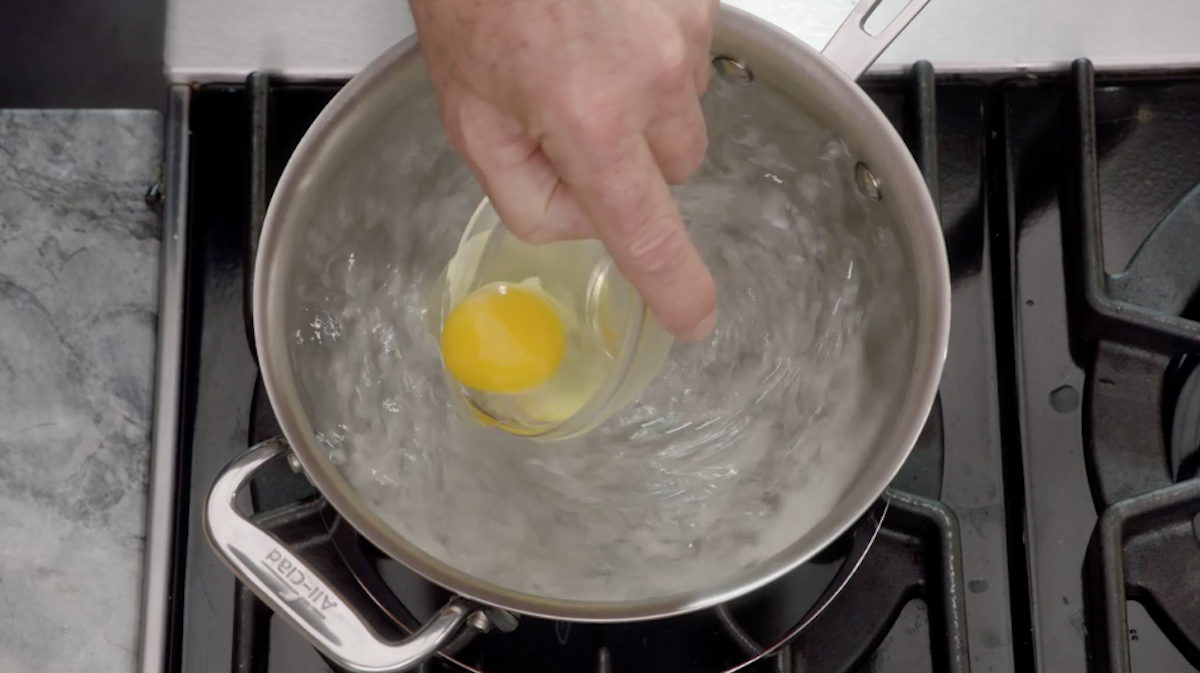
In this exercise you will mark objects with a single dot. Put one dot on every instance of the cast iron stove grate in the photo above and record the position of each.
(1104, 223)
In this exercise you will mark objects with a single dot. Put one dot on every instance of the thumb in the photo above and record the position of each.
(622, 191)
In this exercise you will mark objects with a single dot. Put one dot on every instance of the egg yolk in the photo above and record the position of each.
(503, 339)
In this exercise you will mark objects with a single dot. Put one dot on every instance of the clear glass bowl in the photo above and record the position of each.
(631, 346)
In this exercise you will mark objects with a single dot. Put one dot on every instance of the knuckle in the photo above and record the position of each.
(586, 115)
(697, 18)
(656, 246)
(702, 75)
(673, 65)
(687, 161)
(696, 148)
(526, 227)
(535, 235)
(699, 149)
(538, 230)
(517, 223)
(681, 145)
(453, 122)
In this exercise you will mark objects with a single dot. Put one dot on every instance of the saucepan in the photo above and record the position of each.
(746, 48)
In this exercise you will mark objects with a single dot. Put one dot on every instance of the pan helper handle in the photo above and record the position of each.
(852, 49)
(299, 594)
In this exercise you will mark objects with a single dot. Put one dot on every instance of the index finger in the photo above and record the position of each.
(622, 191)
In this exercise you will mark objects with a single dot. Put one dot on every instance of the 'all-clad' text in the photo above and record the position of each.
(309, 589)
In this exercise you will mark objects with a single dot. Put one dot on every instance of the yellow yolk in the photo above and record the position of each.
(503, 338)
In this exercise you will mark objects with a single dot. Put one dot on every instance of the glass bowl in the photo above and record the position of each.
(628, 346)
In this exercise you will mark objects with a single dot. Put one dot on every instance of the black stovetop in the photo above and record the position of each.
(1047, 519)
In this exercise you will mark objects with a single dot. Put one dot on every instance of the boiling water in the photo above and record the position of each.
(738, 449)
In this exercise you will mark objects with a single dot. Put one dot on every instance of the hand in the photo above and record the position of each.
(575, 115)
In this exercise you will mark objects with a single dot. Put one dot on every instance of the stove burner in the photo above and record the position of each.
(1144, 412)
(1138, 395)
(1143, 304)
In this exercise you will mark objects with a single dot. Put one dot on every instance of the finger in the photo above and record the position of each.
(618, 183)
(701, 72)
(678, 137)
(702, 41)
(535, 205)
(529, 197)
(696, 19)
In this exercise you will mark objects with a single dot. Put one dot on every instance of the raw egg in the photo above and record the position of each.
(503, 338)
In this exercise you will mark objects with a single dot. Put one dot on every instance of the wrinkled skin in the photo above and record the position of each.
(575, 115)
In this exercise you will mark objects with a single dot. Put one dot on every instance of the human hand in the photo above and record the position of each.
(575, 115)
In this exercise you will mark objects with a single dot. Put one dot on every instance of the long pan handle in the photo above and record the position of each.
(297, 592)
(853, 49)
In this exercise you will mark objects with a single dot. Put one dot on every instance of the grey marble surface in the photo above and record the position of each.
(78, 293)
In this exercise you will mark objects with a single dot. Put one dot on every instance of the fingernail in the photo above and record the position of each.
(703, 328)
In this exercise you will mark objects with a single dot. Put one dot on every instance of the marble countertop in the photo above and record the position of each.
(78, 295)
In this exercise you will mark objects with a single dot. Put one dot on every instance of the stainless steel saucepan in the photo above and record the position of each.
(824, 85)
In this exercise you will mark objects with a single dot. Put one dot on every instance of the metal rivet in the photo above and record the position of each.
(294, 463)
(732, 71)
(868, 184)
(479, 622)
(502, 619)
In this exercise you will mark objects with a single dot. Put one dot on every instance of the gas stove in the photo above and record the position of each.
(1046, 520)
